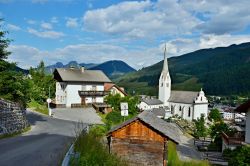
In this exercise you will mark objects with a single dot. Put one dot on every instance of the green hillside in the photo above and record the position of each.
(219, 71)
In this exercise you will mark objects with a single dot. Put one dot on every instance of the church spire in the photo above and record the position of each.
(165, 64)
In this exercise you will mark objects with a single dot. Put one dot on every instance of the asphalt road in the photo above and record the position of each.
(44, 145)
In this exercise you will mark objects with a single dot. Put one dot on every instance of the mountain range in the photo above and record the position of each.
(219, 71)
(112, 69)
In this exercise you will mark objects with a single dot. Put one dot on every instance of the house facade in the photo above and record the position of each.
(114, 89)
(143, 140)
(78, 87)
(186, 104)
(149, 104)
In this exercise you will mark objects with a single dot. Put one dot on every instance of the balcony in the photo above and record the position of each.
(236, 139)
(93, 93)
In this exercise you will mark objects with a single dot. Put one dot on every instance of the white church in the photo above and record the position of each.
(188, 105)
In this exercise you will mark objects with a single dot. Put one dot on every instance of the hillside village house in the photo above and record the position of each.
(143, 139)
(114, 89)
(186, 104)
(76, 87)
(150, 103)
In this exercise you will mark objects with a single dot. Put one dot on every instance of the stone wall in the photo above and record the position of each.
(12, 117)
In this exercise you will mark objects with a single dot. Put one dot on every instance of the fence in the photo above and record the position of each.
(12, 117)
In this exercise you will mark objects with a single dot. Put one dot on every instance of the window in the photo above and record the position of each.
(161, 84)
(167, 84)
(189, 112)
(172, 109)
(180, 108)
(201, 98)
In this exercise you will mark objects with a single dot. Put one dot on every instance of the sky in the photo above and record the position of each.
(95, 31)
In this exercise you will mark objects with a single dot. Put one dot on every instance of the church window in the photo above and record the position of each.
(180, 108)
(172, 109)
(189, 112)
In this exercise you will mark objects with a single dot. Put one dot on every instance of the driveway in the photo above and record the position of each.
(87, 115)
(44, 145)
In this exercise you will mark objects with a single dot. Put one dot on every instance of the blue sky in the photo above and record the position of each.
(94, 31)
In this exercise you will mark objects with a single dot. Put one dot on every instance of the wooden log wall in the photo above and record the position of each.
(139, 144)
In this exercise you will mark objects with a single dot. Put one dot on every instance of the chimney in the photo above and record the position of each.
(82, 69)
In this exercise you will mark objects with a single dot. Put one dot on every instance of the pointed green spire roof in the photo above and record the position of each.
(165, 64)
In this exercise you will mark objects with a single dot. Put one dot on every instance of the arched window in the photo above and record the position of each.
(201, 98)
(180, 108)
(172, 109)
(189, 112)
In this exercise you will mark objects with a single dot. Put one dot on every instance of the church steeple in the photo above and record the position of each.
(165, 81)
(165, 64)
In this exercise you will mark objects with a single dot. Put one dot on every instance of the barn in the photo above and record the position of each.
(143, 139)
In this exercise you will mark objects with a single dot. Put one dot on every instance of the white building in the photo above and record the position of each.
(188, 105)
(149, 103)
(77, 87)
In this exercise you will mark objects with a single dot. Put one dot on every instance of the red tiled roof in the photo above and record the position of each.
(108, 86)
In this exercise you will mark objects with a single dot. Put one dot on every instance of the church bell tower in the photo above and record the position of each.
(165, 82)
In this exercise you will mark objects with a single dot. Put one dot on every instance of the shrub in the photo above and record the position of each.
(94, 153)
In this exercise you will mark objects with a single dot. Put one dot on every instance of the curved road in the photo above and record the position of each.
(44, 145)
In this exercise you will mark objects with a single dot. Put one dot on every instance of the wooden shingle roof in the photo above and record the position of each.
(164, 128)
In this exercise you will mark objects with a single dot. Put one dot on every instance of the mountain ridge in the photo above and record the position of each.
(220, 71)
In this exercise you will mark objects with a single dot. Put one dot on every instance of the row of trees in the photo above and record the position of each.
(17, 86)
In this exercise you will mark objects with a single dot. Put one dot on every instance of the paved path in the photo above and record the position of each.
(44, 145)
(186, 148)
(86, 115)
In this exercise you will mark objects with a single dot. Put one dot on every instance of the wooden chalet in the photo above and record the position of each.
(143, 139)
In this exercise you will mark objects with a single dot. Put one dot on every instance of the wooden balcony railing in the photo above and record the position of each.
(233, 140)
(93, 93)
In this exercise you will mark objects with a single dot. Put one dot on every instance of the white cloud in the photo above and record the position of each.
(54, 20)
(31, 22)
(222, 17)
(212, 41)
(46, 34)
(46, 25)
(137, 58)
(141, 19)
(13, 27)
(71, 22)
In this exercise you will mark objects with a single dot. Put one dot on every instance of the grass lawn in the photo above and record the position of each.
(16, 133)
(38, 107)
(93, 152)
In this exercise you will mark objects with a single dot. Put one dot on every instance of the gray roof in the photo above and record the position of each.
(152, 101)
(165, 128)
(158, 111)
(187, 97)
(77, 75)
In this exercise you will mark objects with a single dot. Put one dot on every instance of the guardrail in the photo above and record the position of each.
(70, 153)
